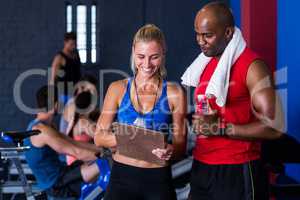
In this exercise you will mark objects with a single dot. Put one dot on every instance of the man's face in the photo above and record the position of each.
(210, 35)
(70, 45)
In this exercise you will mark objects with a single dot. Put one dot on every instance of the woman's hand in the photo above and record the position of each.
(164, 154)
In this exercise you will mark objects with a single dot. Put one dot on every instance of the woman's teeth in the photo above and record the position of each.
(147, 70)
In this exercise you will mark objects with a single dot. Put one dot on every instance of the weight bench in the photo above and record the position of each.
(11, 148)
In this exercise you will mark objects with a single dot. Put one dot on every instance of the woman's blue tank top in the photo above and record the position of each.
(159, 118)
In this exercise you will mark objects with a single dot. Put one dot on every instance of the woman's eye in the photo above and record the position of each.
(155, 57)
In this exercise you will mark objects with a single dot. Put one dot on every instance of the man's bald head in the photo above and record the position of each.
(219, 13)
(214, 25)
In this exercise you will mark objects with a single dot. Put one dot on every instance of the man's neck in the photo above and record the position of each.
(217, 57)
(222, 51)
(67, 52)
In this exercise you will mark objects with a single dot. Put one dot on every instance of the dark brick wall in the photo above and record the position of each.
(31, 33)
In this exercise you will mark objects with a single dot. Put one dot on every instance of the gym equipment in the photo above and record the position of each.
(96, 190)
(11, 148)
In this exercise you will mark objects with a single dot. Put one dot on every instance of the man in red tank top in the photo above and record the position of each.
(227, 152)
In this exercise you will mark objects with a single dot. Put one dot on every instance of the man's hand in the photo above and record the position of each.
(206, 124)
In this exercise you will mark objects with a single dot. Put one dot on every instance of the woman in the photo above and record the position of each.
(80, 114)
(145, 100)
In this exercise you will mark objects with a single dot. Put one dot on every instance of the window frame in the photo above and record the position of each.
(88, 4)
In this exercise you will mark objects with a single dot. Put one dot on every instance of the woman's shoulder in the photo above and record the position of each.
(118, 85)
(69, 110)
(174, 88)
(176, 95)
(116, 91)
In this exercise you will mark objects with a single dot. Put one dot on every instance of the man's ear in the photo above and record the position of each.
(229, 33)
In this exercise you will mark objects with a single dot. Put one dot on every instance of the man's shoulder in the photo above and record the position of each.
(249, 55)
(246, 59)
(59, 57)
(37, 124)
(36, 140)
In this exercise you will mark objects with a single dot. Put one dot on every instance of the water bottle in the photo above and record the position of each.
(202, 104)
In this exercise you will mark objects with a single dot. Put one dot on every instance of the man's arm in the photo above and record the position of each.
(56, 64)
(85, 145)
(265, 105)
(63, 144)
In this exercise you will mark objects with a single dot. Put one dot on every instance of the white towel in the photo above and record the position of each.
(219, 82)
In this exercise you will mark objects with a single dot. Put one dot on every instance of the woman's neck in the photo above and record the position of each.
(147, 84)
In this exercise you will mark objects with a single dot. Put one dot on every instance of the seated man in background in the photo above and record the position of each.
(52, 175)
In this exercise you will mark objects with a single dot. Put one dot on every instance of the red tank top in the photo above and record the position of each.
(223, 150)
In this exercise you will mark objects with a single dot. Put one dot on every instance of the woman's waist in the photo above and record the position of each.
(123, 172)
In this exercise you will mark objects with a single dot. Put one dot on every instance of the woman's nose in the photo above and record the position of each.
(147, 62)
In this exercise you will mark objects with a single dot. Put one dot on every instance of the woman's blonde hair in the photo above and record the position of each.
(148, 33)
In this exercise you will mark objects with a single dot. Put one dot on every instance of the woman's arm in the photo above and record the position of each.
(103, 135)
(178, 106)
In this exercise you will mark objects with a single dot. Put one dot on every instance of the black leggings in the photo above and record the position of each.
(246, 181)
(135, 183)
(69, 182)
